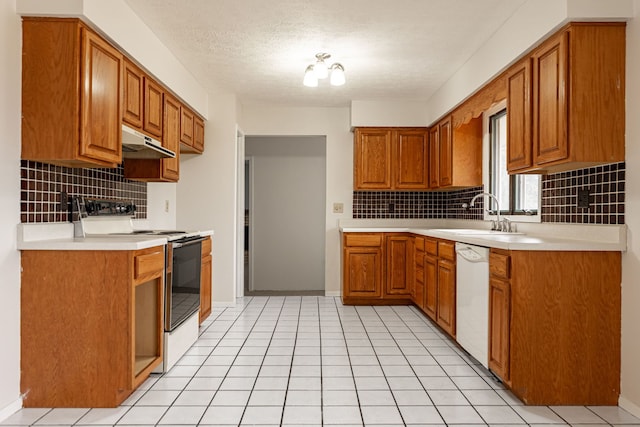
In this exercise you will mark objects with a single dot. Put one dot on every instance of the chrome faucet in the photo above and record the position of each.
(498, 225)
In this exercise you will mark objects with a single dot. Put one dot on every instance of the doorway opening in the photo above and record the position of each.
(285, 215)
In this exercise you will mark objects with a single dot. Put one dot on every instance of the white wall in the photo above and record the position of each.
(334, 124)
(10, 58)
(206, 193)
(630, 385)
(287, 212)
(388, 112)
(159, 194)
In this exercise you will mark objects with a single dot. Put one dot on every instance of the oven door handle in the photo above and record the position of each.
(188, 241)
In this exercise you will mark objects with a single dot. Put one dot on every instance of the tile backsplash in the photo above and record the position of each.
(416, 204)
(41, 185)
(606, 185)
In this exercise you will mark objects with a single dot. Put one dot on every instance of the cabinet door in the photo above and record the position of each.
(132, 90)
(205, 287)
(101, 132)
(398, 254)
(431, 286)
(153, 104)
(362, 272)
(372, 159)
(519, 116)
(186, 126)
(434, 157)
(499, 327)
(445, 166)
(418, 287)
(171, 138)
(446, 314)
(550, 142)
(205, 280)
(198, 134)
(411, 154)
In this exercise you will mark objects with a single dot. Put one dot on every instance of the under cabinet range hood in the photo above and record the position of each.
(136, 145)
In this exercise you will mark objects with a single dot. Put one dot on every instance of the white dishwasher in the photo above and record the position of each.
(472, 300)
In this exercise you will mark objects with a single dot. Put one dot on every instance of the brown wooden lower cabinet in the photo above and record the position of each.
(555, 325)
(91, 325)
(205, 280)
(499, 318)
(554, 316)
(446, 312)
(439, 302)
(431, 286)
(398, 254)
(377, 268)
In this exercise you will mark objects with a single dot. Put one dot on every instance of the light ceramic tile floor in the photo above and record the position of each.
(310, 361)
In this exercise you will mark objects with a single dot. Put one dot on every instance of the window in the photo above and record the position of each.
(517, 194)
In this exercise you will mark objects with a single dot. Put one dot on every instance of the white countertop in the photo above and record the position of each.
(59, 236)
(534, 237)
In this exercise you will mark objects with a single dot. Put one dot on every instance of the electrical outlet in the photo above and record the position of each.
(338, 207)
(166, 206)
(583, 198)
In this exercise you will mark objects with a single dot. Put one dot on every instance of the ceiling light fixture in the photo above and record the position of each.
(320, 70)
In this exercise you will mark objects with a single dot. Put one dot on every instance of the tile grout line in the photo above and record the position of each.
(346, 344)
(265, 354)
(437, 363)
(293, 355)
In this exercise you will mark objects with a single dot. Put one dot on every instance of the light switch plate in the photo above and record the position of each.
(338, 207)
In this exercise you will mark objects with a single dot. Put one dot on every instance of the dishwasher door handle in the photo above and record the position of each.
(469, 254)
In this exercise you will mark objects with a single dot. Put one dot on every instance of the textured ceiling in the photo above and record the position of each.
(259, 49)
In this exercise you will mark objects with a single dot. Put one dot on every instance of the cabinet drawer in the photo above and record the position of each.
(446, 250)
(363, 239)
(499, 265)
(149, 265)
(206, 247)
(431, 247)
(420, 243)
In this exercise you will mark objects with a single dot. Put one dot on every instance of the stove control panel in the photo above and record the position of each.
(101, 207)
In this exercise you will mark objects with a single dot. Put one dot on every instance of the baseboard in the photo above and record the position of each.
(629, 406)
(10, 409)
(331, 293)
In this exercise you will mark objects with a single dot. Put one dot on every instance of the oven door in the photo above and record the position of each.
(182, 299)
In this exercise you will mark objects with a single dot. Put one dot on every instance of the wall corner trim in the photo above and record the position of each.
(627, 405)
(10, 409)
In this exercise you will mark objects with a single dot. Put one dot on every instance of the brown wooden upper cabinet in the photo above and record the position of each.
(191, 132)
(142, 101)
(132, 95)
(153, 108)
(166, 169)
(71, 89)
(455, 154)
(565, 101)
(186, 126)
(391, 159)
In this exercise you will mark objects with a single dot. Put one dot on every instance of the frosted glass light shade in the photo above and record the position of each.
(310, 79)
(337, 75)
(321, 70)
